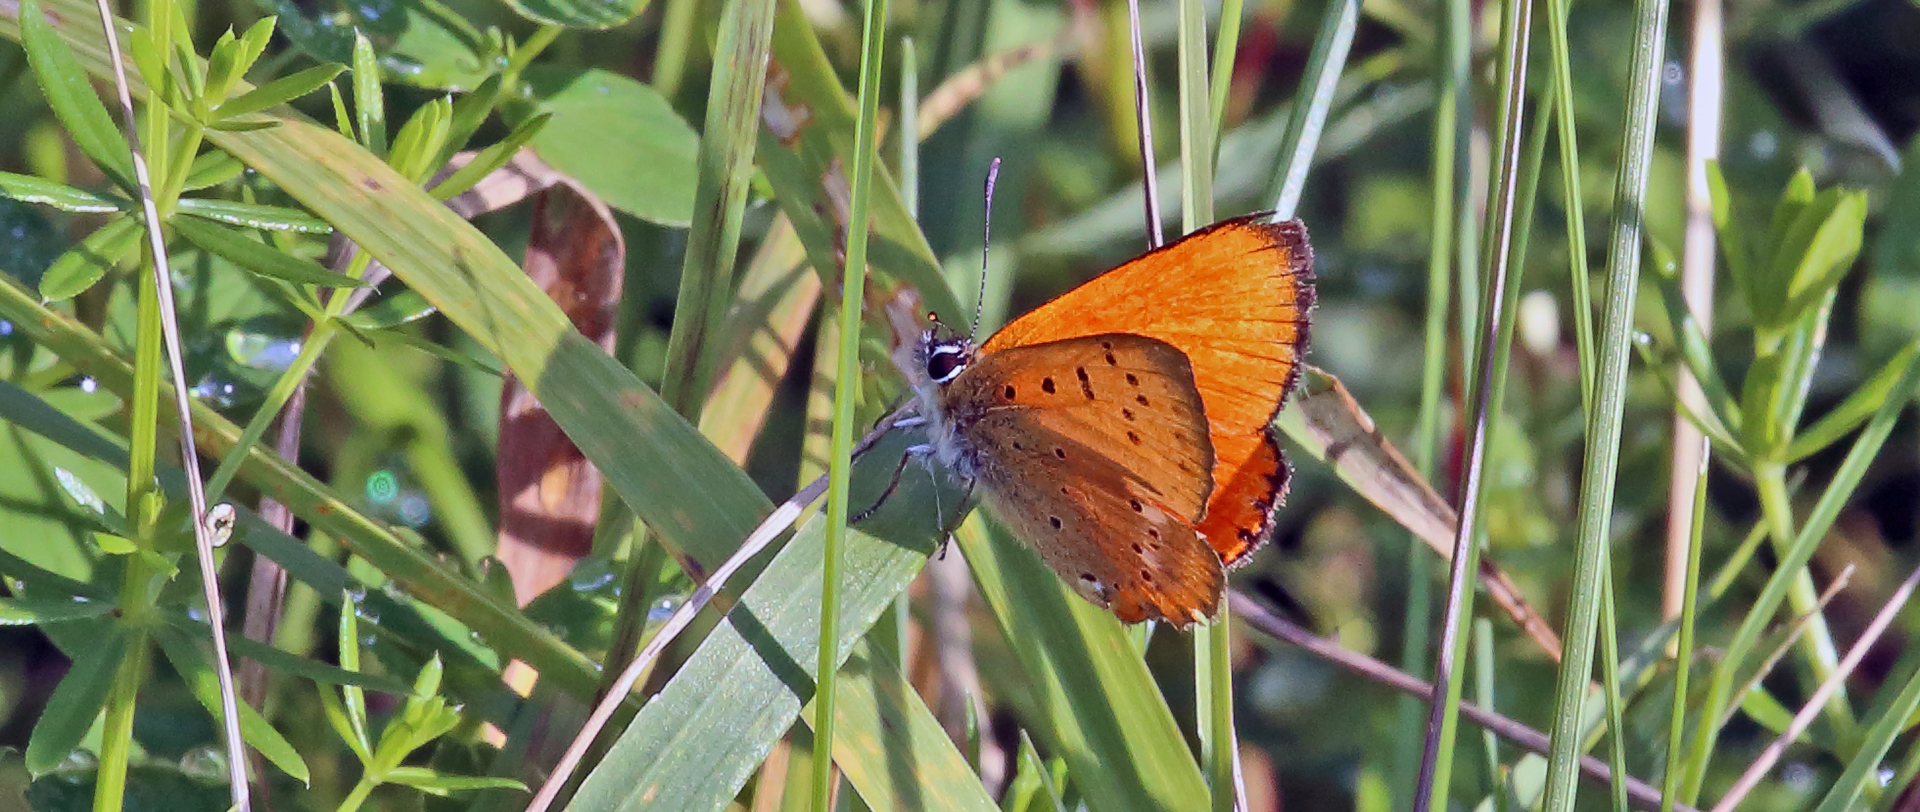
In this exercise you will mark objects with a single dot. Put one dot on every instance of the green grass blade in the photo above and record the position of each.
(1604, 422)
(1100, 709)
(1317, 86)
(846, 388)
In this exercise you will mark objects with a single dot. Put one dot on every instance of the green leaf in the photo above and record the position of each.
(1829, 253)
(70, 94)
(420, 139)
(25, 611)
(220, 73)
(588, 14)
(1098, 706)
(469, 112)
(621, 139)
(1852, 412)
(29, 189)
(205, 685)
(279, 91)
(369, 105)
(114, 543)
(80, 267)
(1793, 199)
(1695, 351)
(337, 718)
(293, 664)
(491, 158)
(437, 783)
(212, 169)
(257, 257)
(240, 125)
(76, 701)
(254, 215)
(404, 307)
(150, 61)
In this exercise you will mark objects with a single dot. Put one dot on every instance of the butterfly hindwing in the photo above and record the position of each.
(1095, 451)
(1234, 298)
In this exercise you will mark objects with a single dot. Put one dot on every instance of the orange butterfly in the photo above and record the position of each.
(1121, 430)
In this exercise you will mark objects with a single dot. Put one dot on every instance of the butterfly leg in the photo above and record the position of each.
(946, 530)
(893, 483)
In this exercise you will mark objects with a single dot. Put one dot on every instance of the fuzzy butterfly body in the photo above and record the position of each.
(1121, 430)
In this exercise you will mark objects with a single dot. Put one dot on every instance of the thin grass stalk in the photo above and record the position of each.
(1484, 695)
(677, 32)
(1609, 640)
(1143, 118)
(1226, 46)
(1324, 65)
(1603, 424)
(1453, 52)
(1573, 200)
(910, 127)
(845, 395)
(1212, 652)
(1683, 644)
(238, 790)
(1495, 336)
(1817, 647)
(1610, 684)
(137, 595)
(902, 615)
(1705, 96)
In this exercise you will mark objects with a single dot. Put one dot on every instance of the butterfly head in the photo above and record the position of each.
(940, 355)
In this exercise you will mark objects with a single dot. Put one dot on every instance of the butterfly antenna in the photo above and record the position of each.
(986, 244)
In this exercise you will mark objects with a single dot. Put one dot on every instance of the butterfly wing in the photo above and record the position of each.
(1234, 298)
(1095, 452)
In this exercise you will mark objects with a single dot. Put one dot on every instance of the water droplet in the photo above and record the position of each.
(216, 392)
(205, 763)
(259, 349)
(1642, 338)
(663, 608)
(89, 385)
(79, 761)
(1763, 144)
(356, 594)
(6, 328)
(589, 575)
(78, 491)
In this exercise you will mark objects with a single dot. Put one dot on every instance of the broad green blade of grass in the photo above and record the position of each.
(1099, 707)
(911, 764)
(751, 676)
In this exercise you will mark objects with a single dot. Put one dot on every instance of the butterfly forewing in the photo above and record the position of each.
(1095, 451)
(1234, 298)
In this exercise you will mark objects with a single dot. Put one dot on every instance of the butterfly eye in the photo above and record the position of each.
(945, 362)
